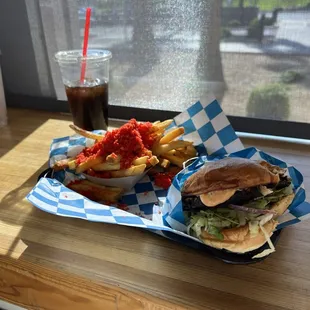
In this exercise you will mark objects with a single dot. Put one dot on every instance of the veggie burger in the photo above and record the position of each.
(234, 203)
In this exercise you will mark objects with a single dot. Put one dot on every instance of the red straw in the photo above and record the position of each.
(85, 43)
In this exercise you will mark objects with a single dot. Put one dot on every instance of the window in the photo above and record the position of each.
(253, 55)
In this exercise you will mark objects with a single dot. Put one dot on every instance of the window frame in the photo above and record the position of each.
(242, 124)
(44, 100)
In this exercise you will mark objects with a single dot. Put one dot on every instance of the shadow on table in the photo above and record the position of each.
(14, 206)
(16, 210)
(21, 124)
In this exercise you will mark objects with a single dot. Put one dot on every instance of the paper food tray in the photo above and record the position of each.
(149, 206)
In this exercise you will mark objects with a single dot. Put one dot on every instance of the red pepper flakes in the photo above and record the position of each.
(130, 141)
(113, 155)
(144, 130)
(164, 179)
(89, 153)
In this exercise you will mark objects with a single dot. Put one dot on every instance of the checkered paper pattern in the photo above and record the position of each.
(208, 127)
(148, 206)
(298, 211)
(52, 196)
(69, 146)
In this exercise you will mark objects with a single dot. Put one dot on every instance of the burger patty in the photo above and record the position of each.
(284, 182)
(240, 197)
(193, 203)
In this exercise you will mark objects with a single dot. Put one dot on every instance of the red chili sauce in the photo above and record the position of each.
(130, 141)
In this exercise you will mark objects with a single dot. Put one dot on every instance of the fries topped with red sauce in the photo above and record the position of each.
(130, 150)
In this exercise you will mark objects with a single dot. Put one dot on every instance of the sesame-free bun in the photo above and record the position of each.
(230, 173)
(281, 206)
(239, 239)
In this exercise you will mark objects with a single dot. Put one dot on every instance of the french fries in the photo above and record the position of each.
(153, 161)
(171, 135)
(96, 192)
(133, 170)
(165, 163)
(162, 125)
(115, 165)
(62, 164)
(175, 159)
(180, 155)
(190, 151)
(88, 164)
(129, 151)
(106, 166)
(72, 164)
(111, 163)
(140, 161)
(85, 133)
(165, 150)
(113, 158)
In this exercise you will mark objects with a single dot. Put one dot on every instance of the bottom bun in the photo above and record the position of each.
(281, 206)
(239, 239)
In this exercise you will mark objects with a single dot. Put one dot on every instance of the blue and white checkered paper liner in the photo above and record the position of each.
(148, 205)
(299, 209)
(208, 127)
(52, 196)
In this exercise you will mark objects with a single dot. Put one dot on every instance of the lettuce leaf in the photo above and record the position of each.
(254, 228)
(197, 223)
(214, 231)
(213, 222)
(262, 203)
(279, 194)
(258, 204)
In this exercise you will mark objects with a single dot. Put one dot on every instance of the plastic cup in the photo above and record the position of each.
(88, 98)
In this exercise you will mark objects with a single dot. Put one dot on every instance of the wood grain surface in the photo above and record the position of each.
(51, 262)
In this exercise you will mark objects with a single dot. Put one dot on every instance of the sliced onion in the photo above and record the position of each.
(252, 210)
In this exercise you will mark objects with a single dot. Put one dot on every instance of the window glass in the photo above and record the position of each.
(253, 55)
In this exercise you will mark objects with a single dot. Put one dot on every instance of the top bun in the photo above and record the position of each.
(230, 173)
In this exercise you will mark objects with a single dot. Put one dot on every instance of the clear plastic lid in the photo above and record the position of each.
(76, 56)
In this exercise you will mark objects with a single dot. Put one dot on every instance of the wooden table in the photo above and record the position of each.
(51, 262)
